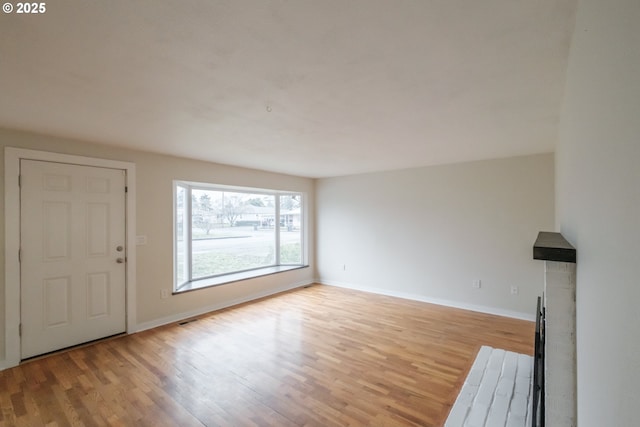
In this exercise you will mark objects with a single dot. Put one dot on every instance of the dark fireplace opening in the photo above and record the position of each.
(538, 368)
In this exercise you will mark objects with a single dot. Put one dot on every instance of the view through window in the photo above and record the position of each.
(221, 231)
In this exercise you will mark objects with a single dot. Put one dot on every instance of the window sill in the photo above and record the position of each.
(234, 277)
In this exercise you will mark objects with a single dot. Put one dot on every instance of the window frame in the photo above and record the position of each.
(223, 278)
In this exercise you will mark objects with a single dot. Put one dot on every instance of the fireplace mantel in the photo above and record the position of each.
(553, 247)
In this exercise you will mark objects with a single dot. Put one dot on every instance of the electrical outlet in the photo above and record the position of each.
(477, 283)
(164, 293)
(514, 290)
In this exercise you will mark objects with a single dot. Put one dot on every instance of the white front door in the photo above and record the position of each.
(73, 255)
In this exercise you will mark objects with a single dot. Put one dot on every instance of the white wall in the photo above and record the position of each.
(598, 206)
(427, 233)
(155, 174)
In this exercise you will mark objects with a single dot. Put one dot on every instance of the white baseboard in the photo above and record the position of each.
(213, 307)
(5, 364)
(438, 301)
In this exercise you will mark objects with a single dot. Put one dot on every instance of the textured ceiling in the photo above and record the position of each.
(307, 87)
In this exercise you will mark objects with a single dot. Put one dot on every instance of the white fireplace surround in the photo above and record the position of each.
(559, 256)
(560, 344)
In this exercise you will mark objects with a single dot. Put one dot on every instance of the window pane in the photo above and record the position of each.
(181, 229)
(290, 229)
(231, 232)
(219, 232)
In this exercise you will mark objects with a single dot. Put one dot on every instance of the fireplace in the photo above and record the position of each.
(555, 346)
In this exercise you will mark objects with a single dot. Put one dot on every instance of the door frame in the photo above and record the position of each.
(12, 157)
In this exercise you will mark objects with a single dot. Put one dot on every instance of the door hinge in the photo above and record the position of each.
(20, 329)
(126, 189)
(19, 180)
(19, 255)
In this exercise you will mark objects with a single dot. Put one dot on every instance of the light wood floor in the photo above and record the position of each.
(318, 356)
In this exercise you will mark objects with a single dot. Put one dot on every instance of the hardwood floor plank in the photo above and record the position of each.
(318, 356)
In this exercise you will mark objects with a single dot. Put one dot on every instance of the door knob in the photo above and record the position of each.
(119, 248)
(120, 260)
